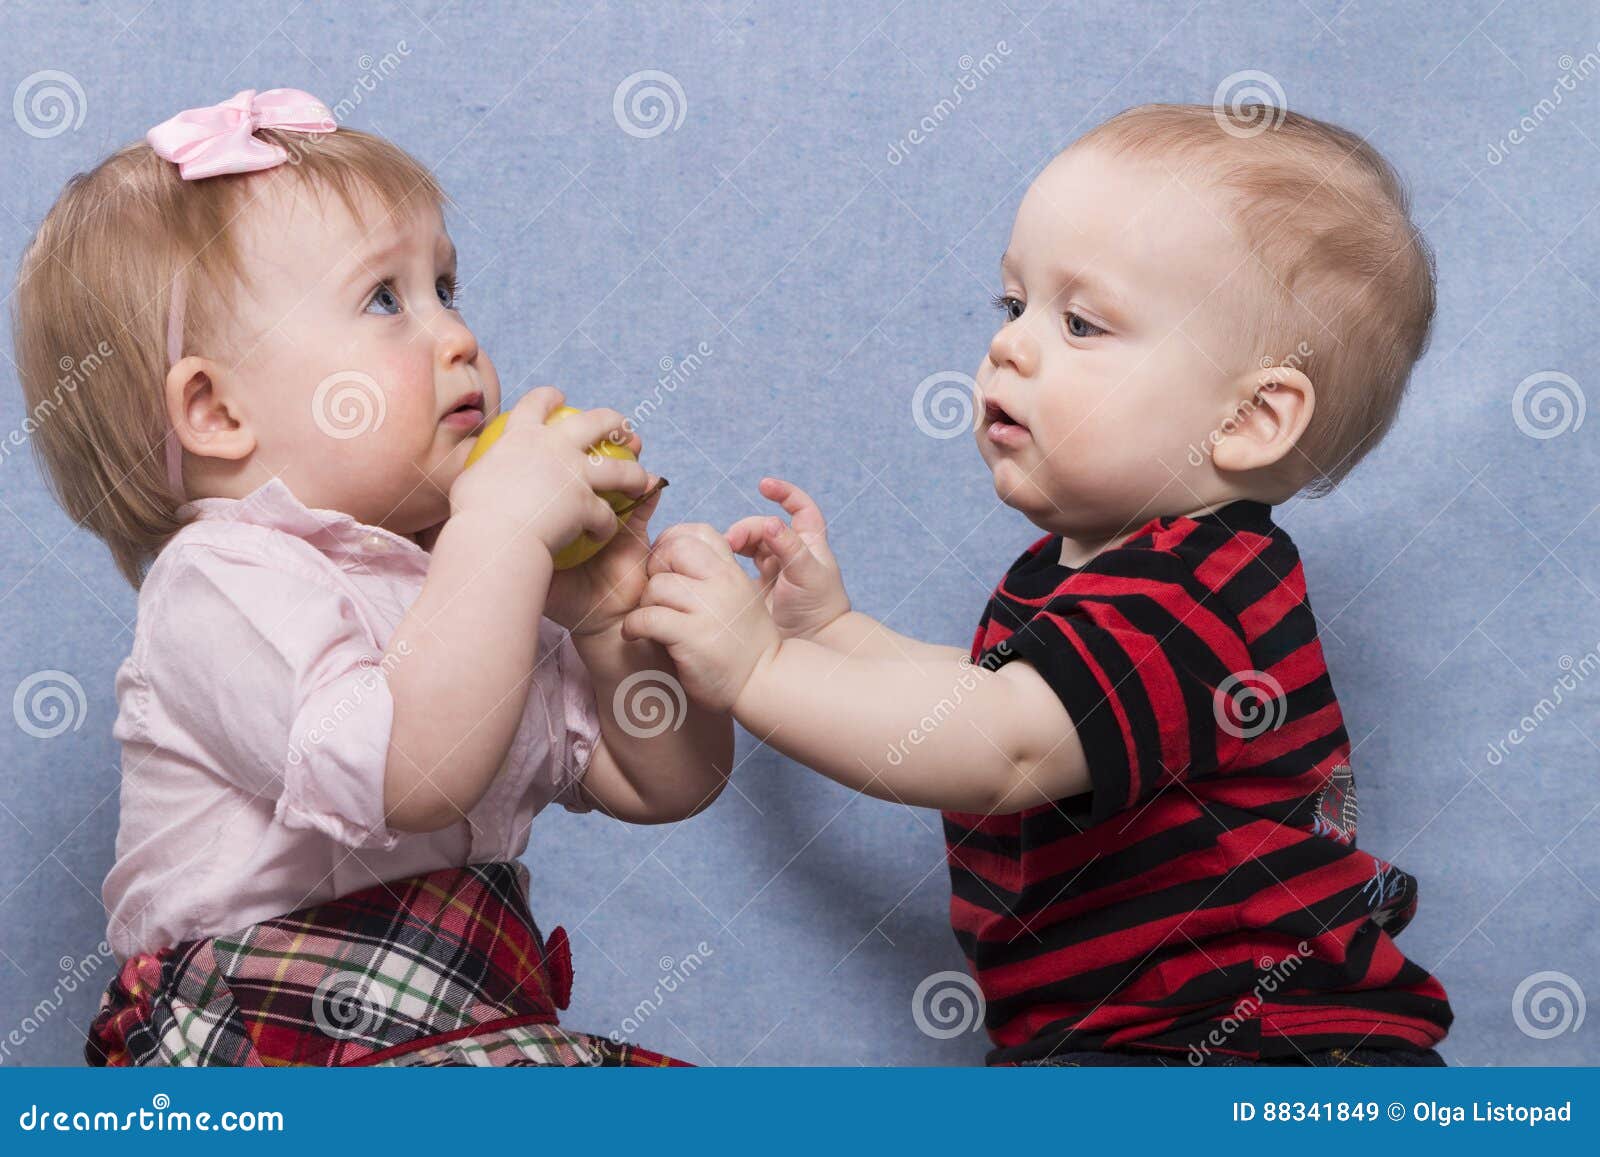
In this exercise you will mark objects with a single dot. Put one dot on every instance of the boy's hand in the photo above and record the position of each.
(709, 615)
(799, 577)
(592, 599)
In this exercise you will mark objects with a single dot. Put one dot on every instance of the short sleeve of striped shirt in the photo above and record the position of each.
(1147, 660)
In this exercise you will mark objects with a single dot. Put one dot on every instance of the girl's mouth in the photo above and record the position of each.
(1003, 429)
(468, 414)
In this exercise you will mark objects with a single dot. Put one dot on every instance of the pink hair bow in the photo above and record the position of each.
(220, 138)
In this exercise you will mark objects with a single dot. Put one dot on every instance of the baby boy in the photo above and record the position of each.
(1144, 773)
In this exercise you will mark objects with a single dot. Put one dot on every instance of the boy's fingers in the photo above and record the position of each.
(744, 537)
(659, 624)
(685, 555)
(799, 505)
(673, 591)
(791, 550)
(704, 534)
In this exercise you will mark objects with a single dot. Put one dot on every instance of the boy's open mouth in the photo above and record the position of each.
(1003, 429)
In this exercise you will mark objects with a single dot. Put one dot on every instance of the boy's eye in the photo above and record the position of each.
(1008, 305)
(449, 290)
(1078, 327)
(385, 299)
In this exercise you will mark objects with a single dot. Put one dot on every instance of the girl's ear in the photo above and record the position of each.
(1265, 426)
(200, 409)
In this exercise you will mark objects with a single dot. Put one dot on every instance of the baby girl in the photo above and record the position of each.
(356, 675)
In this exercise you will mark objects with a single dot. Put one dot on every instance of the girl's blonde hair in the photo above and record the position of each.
(94, 289)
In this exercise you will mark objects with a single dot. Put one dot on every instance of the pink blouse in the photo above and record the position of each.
(254, 716)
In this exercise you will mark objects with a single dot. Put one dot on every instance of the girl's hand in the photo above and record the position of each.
(540, 480)
(709, 615)
(800, 580)
(592, 599)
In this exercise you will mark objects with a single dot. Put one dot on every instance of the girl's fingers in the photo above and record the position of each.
(538, 404)
(591, 426)
(599, 520)
(616, 474)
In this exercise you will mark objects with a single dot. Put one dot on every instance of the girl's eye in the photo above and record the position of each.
(385, 299)
(1078, 327)
(1008, 305)
(449, 290)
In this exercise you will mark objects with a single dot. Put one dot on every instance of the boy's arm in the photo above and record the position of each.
(862, 636)
(934, 731)
(660, 757)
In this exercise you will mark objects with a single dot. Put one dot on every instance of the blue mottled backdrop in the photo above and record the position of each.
(774, 221)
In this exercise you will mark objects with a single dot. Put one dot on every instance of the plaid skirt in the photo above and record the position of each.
(445, 968)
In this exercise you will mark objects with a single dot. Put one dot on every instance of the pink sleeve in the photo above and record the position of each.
(581, 729)
(559, 727)
(267, 672)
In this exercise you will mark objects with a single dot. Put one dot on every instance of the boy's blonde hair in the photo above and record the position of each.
(93, 293)
(1346, 278)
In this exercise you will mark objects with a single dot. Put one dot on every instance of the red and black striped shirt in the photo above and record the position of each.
(1206, 894)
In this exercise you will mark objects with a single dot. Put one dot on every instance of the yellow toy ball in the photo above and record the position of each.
(581, 549)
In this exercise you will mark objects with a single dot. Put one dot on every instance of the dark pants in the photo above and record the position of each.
(1360, 1058)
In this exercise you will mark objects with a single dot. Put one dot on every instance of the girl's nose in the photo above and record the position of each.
(456, 341)
(1013, 345)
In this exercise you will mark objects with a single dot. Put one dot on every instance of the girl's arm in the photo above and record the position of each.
(462, 660)
(660, 757)
(457, 707)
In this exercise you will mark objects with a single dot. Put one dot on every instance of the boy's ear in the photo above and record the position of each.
(201, 407)
(1272, 409)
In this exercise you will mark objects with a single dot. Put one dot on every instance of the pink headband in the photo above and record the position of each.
(213, 141)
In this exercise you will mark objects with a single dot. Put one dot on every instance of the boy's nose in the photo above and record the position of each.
(1013, 345)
